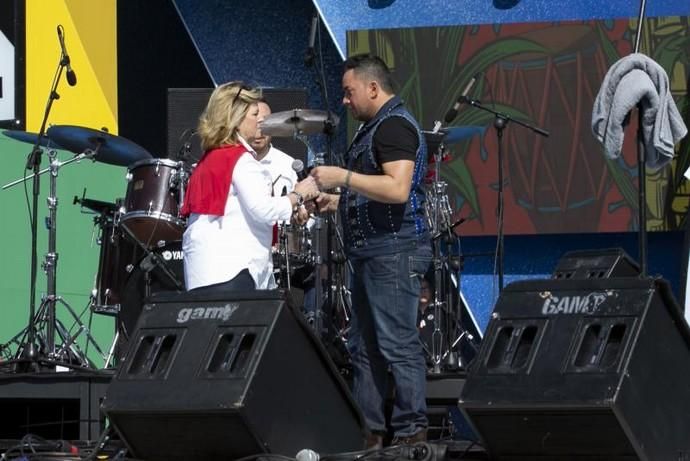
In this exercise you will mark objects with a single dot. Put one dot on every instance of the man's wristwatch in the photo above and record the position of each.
(300, 198)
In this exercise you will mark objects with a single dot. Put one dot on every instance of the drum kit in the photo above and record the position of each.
(140, 235)
(131, 231)
(140, 240)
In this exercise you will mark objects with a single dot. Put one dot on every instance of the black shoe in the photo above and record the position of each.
(374, 441)
(410, 439)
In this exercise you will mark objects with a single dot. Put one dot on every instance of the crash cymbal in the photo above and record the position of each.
(111, 149)
(296, 122)
(30, 138)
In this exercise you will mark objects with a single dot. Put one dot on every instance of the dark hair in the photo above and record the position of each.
(373, 67)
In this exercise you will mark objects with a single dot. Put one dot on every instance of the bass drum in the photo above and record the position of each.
(151, 274)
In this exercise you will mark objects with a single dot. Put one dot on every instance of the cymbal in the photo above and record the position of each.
(110, 149)
(460, 133)
(30, 138)
(296, 122)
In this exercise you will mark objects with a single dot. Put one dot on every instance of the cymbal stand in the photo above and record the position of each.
(45, 316)
(439, 213)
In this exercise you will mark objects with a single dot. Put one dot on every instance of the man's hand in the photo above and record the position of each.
(329, 177)
(391, 186)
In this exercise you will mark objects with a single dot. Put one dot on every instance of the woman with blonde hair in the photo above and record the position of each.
(227, 243)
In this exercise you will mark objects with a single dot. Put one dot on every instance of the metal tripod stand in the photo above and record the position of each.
(444, 344)
(45, 325)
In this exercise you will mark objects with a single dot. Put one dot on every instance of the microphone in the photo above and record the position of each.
(453, 112)
(309, 55)
(298, 167)
(307, 454)
(71, 76)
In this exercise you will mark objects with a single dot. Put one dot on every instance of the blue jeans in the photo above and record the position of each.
(384, 335)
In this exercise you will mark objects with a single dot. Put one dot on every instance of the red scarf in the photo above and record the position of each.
(209, 185)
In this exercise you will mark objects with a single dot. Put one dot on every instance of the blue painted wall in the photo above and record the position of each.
(342, 16)
(264, 43)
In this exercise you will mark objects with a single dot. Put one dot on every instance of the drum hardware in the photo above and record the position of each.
(98, 206)
(30, 356)
(153, 260)
(284, 253)
(448, 330)
(45, 318)
(342, 305)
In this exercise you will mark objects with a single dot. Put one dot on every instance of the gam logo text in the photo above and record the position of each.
(573, 304)
(206, 313)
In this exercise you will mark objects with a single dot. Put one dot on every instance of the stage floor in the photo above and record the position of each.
(49, 408)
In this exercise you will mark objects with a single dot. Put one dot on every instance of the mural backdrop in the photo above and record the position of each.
(548, 75)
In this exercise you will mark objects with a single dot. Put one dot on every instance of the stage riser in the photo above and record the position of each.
(53, 406)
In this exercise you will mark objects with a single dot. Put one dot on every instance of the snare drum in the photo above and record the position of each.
(298, 245)
(155, 191)
(294, 242)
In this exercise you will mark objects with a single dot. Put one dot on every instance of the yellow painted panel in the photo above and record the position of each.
(90, 37)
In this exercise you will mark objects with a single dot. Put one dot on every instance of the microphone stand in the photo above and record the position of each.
(641, 170)
(501, 121)
(30, 352)
(329, 131)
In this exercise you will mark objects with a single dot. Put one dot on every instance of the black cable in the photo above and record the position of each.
(100, 443)
(469, 447)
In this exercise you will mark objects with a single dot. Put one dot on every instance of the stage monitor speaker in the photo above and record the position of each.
(596, 264)
(223, 377)
(583, 369)
(185, 105)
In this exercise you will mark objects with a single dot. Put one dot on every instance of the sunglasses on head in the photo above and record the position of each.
(239, 92)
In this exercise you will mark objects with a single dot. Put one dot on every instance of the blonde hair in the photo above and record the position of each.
(226, 109)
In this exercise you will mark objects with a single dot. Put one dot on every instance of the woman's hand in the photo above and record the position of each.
(300, 216)
(327, 202)
(307, 188)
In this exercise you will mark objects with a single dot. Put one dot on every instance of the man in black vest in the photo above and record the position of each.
(381, 207)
